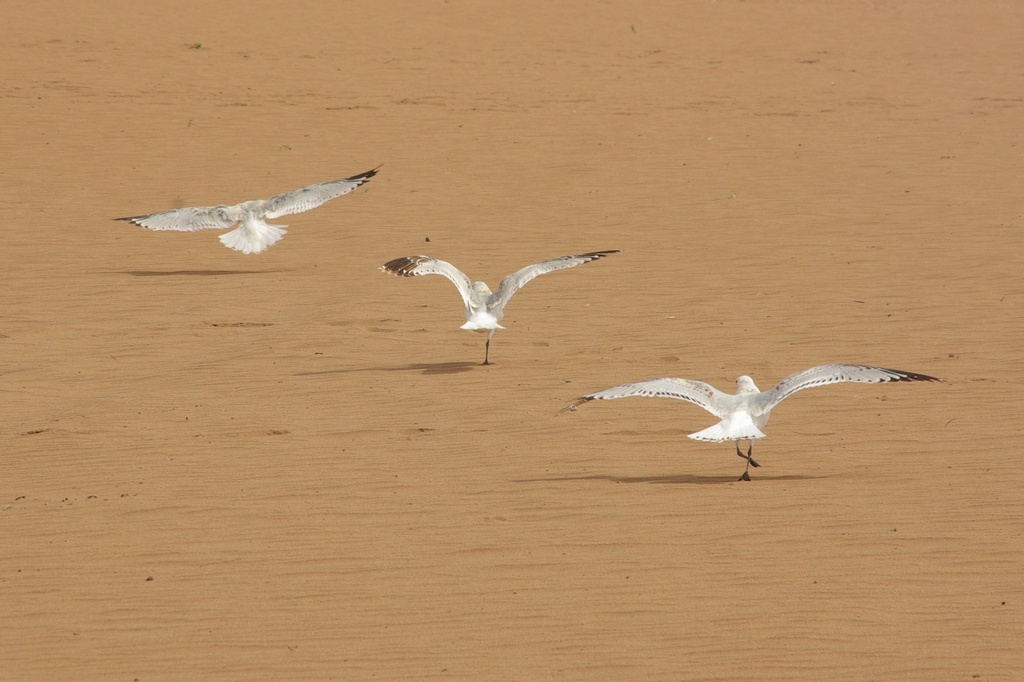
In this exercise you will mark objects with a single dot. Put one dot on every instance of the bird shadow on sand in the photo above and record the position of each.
(672, 479)
(427, 368)
(193, 273)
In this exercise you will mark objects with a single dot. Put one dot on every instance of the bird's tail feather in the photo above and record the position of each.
(253, 238)
(723, 432)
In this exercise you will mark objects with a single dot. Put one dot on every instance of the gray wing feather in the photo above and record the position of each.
(187, 219)
(696, 392)
(414, 266)
(516, 280)
(308, 198)
(830, 374)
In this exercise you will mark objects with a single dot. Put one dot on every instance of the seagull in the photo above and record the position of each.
(744, 415)
(484, 309)
(253, 235)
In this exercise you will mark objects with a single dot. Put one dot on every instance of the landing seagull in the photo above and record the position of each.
(483, 309)
(744, 415)
(253, 235)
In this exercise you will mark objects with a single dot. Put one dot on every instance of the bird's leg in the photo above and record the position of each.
(750, 449)
(487, 346)
(747, 455)
(750, 460)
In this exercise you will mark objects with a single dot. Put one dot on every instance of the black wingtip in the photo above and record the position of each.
(913, 376)
(404, 266)
(571, 407)
(594, 255)
(130, 219)
(365, 176)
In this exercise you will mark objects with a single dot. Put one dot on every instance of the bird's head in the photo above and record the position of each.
(745, 384)
(481, 289)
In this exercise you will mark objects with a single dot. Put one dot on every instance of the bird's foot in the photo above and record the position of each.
(744, 477)
(748, 458)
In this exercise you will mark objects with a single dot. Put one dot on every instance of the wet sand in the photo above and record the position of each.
(292, 466)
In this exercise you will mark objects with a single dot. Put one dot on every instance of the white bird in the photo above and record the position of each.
(253, 235)
(484, 309)
(745, 414)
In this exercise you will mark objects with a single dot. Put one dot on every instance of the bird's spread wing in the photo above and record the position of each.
(830, 374)
(414, 266)
(187, 219)
(516, 280)
(308, 198)
(696, 392)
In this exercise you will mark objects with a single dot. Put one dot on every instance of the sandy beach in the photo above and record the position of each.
(291, 466)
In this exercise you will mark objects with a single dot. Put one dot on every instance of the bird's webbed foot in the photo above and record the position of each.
(750, 460)
(747, 456)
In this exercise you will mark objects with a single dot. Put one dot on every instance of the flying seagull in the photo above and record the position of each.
(483, 309)
(744, 415)
(253, 235)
